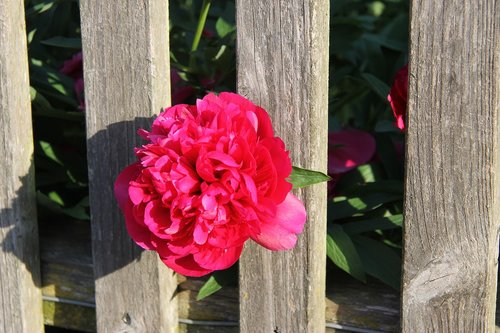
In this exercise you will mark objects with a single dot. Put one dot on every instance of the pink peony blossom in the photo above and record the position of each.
(348, 149)
(398, 96)
(211, 176)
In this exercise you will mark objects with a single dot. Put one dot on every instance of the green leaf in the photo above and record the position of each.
(379, 186)
(382, 223)
(388, 42)
(340, 249)
(367, 173)
(377, 85)
(49, 151)
(343, 207)
(379, 260)
(64, 42)
(223, 27)
(385, 126)
(48, 203)
(390, 160)
(51, 83)
(78, 211)
(39, 8)
(210, 287)
(43, 108)
(54, 196)
(302, 177)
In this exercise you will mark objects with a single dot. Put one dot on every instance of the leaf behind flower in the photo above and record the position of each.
(210, 287)
(302, 177)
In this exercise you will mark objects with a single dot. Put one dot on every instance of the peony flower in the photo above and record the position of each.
(347, 149)
(398, 96)
(210, 177)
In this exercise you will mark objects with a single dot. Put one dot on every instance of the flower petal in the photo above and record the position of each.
(186, 266)
(280, 232)
(354, 148)
(137, 230)
(216, 259)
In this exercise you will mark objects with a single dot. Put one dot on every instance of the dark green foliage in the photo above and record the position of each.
(53, 29)
(369, 41)
(368, 45)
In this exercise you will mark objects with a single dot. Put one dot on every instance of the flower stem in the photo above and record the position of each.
(201, 24)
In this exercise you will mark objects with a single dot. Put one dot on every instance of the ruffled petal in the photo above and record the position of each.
(280, 232)
(216, 259)
(186, 266)
(137, 230)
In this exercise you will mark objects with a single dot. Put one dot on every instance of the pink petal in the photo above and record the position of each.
(280, 232)
(186, 266)
(398, 96)
(223, 158)
(157, 219)
(265, 128)
(283, 167)
(355, 148)
(200, 233)
(216, 259)
(137, 230)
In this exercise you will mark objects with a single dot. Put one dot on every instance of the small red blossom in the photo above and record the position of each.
(210, 177)
(398, 97)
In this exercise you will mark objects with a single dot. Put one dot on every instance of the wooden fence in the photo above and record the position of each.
(452, 203)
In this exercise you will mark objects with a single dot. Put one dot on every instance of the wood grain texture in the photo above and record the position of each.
(126, 73)
(282, 61)
(67, 275)
(69, 316)
(452, 203)
(20, 296)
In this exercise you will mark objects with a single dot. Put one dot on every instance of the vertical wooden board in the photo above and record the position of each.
(452, 203)
(282, 64)
(20, 296)
(126, 73)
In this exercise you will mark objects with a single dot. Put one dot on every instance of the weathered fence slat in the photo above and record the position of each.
(126, 68)
(452, 203)
(283, 66)
(20, 296)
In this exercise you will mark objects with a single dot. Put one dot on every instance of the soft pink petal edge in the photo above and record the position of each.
(280, 233)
